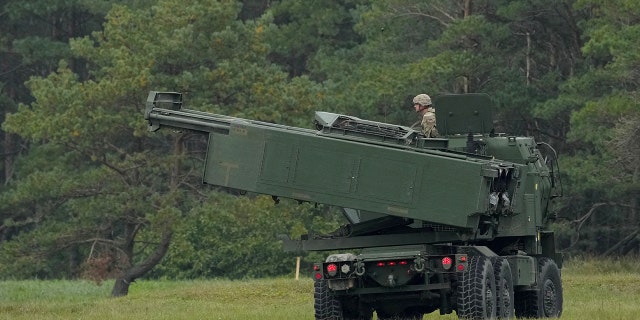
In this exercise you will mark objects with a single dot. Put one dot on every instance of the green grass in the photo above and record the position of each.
(207, 299)
(592, 290)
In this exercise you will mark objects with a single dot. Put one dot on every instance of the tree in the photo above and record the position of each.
(306, 29)
(119, 181)
(238, 237)
(34, 37)
(87, 192)
(603, 170)
(516, 51)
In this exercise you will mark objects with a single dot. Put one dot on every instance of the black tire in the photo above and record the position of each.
(550, 288)
(328, 307)
(504, 288)
(476, 294)
(546, 301)
(325, 304)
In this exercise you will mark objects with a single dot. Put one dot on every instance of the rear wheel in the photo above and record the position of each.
(504, 288)
(476, 296)
(328, 307)
(550, 288)
(546, 301)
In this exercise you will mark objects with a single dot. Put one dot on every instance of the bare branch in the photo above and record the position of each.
(580, 221)
(583, 219)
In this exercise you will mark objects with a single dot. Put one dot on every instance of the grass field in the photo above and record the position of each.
(592, 290)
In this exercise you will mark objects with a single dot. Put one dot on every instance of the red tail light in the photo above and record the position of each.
(462, 262)
(332, 269)
(392, 263)
(447, 262)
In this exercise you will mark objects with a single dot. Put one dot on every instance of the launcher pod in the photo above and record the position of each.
(456, 223)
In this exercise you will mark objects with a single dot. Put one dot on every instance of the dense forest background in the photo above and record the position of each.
(87, 192)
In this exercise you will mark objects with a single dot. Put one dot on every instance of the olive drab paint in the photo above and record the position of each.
(471, 199)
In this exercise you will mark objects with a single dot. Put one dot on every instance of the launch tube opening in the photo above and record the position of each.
(168, 100)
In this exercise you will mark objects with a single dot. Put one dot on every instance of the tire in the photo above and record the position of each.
(328, 307)
(476, 294)
(325, 304)
(550, 288)
(504, 288)
(546, 301)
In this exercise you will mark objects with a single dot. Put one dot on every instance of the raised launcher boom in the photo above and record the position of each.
(396, 186)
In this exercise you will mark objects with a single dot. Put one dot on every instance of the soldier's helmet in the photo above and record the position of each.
(422, 99)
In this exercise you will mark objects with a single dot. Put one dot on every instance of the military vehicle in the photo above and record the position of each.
(455, 223)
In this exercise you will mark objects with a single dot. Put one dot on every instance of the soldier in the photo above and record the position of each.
(427, 123)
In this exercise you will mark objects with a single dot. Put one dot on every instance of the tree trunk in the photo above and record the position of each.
(121, 286)
(74, 263)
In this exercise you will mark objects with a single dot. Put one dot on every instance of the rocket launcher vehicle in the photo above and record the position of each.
(395, 186)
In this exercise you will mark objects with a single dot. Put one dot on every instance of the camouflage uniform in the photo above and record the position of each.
(428, 121)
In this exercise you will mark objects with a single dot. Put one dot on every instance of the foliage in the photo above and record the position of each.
(307, 29)
(87, 192)
(601, 170)
(238, 237)
(34, 37)
(112, 186)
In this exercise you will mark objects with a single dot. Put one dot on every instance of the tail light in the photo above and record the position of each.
(391, 263)
(317, 271)
(447, 262)
(461, 262)
(332, 269)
